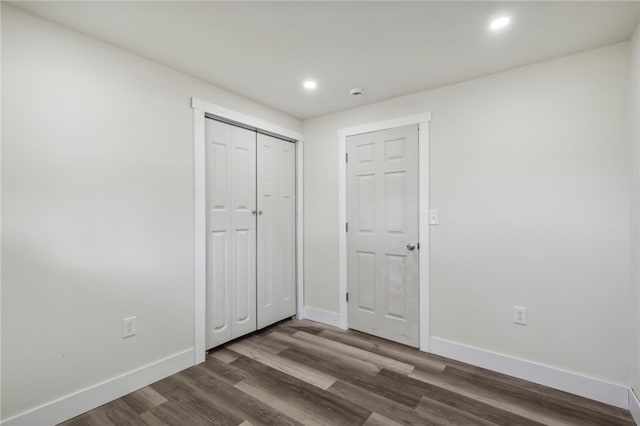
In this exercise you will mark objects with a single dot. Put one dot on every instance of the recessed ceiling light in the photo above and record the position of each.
(310, 84)
(499, 23)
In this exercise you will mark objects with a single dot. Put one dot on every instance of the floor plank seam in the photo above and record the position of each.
(298, 372)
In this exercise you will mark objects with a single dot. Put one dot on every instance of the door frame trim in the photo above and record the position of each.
(200, 108)
(422, 120)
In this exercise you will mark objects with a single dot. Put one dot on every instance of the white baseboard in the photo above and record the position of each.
(320, 315)
(588, 387)
(634, 406)
(94, 396)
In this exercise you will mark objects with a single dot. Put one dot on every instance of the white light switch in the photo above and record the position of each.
(434, 217)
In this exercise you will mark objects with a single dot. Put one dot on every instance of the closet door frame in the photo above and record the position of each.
(200, 109)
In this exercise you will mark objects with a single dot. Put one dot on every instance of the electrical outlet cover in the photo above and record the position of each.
(129, 327)
(520, 315)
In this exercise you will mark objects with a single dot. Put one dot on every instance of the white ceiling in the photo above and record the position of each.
(264, 50)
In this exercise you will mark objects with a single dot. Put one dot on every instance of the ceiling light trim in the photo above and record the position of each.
(500, 23)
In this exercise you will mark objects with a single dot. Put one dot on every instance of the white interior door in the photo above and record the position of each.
(276, 230)
(382, 237)
(231, 231)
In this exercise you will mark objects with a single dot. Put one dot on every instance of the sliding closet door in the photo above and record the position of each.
(276, 230)
(231, 231)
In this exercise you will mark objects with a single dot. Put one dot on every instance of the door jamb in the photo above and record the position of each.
(422, 120)
(200, 108)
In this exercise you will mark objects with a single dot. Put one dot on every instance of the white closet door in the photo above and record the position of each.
(276, 230)
(382, 239)
(231, 232)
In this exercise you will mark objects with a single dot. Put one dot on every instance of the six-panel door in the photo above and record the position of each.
(231, 232)
(382, 239)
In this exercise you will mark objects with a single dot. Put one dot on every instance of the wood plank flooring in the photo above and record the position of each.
(305, 373)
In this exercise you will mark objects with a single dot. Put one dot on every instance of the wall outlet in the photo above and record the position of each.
(520, 315)
(129, 327)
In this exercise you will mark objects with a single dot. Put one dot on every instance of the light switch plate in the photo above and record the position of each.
(434, 217)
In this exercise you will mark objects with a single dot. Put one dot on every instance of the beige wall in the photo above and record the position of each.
(635, 204)
(529, 169)
(97, 208)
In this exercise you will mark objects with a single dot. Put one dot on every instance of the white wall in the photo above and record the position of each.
(529, 169)
(635, 204)
(97, 208)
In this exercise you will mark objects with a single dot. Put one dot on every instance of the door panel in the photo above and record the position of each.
(395, 202)
(366, 281)
(244, 282)
(231, 229)
(382, 191)
(366, 203)
(276, 230)
(217, 275)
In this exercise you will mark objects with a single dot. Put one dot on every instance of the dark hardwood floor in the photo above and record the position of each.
(302, 372)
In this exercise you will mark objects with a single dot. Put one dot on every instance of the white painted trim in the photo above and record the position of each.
(200, 235)
(342, 234)
(239, 117)
(201, 107)
(300, 227)
(386, 124)
(423, 218)
(634, 406)
(568, 381)
(320, 315)
(422, 120)
(89, 398)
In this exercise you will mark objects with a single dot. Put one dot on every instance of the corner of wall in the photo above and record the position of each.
(634, 406)
(634, 121)
(322, 316)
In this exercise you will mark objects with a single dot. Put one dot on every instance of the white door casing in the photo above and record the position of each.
(382, 240)
(276, 230)
(231, 232)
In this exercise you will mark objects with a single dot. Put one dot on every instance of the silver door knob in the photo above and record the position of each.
(259, 212)
(253, 212)
(411, 246)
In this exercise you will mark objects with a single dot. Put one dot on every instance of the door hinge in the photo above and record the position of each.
(346, 157)
(347, 296)
(346, 227)
(418, 246)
